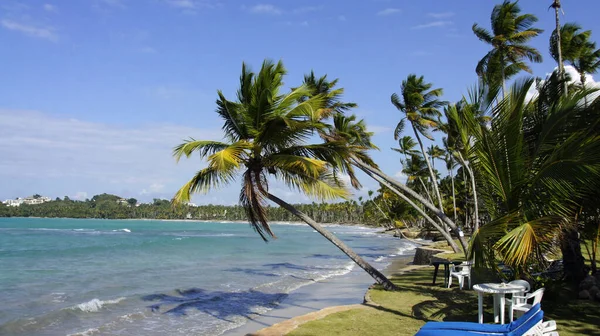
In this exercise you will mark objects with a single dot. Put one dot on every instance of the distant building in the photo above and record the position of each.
(28, 200)
(122, 201)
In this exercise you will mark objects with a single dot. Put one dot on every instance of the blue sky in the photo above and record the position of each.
(95, 93)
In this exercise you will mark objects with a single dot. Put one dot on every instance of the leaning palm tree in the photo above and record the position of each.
(357, 141)
(420, 105)
(266, 134)
(511, 30)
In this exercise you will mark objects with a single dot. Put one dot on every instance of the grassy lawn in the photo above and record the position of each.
(405, 311)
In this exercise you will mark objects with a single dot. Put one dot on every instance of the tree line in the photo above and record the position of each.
(106, 206)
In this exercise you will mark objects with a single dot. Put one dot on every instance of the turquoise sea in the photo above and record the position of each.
(112, 277)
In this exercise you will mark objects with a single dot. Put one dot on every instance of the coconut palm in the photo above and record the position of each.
(511, 30)
(321, 86)
(357, 141)
(556, 35)
(420, 105)
(588, 61)
(266, 134)
(462, 121)
(449, 160)
(406, 146)
(532, 198)
(577, 50)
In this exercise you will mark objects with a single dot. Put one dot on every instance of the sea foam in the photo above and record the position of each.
(95, 305)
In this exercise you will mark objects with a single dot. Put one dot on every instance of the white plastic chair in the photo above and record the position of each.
(521, 283)
(520, 303)
(461, 272)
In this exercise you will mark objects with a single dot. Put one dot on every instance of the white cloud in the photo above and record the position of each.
(96, 157)
(50, 8)
(80, 195)
(590, 83)
(182, 3)
(192, 6)
(153, 189)
(46, 33)
(170, 92)
(378, 129)
(433, 24)
(265, 9)
(389, 11)
(441, 15)
(307, 9)
(113, 3)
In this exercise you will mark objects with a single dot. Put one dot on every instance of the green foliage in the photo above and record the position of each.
(105, 208)
(267, 132)
(510, 33)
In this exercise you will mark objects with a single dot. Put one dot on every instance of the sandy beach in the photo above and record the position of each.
(332, 294)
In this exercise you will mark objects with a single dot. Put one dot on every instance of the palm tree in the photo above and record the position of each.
(266, 132)
(510, 33)
(462, 121)
(553, 166)
(321, 86)
(406, 146)
(577, 50)
(357, 141)
(449, 160)
(588, 62)
(421, 105)
(557, 36)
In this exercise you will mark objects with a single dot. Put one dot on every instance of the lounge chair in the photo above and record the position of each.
(530, 324)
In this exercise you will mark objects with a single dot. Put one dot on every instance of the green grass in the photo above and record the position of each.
(405, 311)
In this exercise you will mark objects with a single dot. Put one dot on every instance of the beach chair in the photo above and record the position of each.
(520, 303)
(530, 324)
(460, 272)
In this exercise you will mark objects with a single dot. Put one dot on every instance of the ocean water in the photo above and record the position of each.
(111, 277)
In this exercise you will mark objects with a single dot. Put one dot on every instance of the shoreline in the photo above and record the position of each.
(201, 221)
(317, 300)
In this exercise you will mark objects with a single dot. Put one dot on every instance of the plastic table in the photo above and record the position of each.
(446, 263)
(499, 290)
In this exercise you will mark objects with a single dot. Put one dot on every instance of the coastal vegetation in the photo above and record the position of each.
(521, 160)
(107, 206)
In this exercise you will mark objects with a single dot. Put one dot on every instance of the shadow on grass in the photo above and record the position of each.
(435, 303)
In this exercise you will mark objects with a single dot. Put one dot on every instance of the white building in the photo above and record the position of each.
(28, 200)
(13, 202)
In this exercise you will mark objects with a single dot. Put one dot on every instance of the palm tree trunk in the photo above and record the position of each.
(444, 233)
(426, 190)
(574, 263)
(378, 276)
(453, 195)
(383, 213)
(431, 174)
(439, 213)
(473, 185)
(561, 66)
